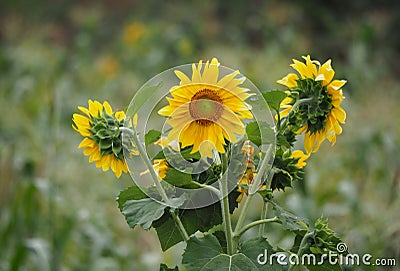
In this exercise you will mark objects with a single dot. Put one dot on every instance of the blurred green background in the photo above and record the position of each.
(57, 212)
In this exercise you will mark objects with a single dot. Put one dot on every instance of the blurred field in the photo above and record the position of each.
(57, 212)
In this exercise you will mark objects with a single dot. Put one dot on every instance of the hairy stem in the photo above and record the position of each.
(253, 188)
(264, 211)
(303, 246)
(160, 189)
(225, 207)
(255, 223)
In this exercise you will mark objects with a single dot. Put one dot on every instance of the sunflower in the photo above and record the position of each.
(205, 112)
(320, 118)
(102, 138)
(298, 154)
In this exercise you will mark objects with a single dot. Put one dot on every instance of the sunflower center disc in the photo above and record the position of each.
(206, 107)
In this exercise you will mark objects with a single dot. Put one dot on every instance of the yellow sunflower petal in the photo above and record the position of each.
(302, 69)
(95, 108)
(107, 108)
(327, 71)
(289, 80)
(337, 84)
(182, 77)
(120, 115)
(86, 143)
(339, 114)
(310, 66)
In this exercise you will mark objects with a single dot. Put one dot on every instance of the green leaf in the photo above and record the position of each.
(324, 267)
(205, 254)
(142, 212)
(151, 137)
(193, 220)
(199, 251)
(290, 221)
(257, 130)
(237, 262)
(131, 193)
(252, 248)
(164, 267)
(180, 179)
(274, 98)
(141, 97)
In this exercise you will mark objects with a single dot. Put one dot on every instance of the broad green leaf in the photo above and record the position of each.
(199, 251)
(290, 221)
(151, 137)
(180, 179)
(257, 130)
(201, 219)
(164, 267)
(252, 248)
(140, 98)
(205, 254)
(131, 193)
(324, 267)
(274, 98)
(142, 212)
(237, 262)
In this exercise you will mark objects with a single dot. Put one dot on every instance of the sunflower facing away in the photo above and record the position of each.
(102, 138)
(320, 118)
(205, 111)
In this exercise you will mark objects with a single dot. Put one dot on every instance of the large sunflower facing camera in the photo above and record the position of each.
(205, 111)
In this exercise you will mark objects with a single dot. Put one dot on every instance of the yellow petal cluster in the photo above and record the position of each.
(312, 69)
(204, 110)
(82, 124)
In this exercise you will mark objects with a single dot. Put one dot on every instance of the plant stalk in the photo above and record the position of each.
(264, 211)
(255, 223)
(225, 207)
(160, 189)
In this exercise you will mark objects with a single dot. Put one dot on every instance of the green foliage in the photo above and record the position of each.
(259, 131)
(201, 219)
(285, 170)
(274, 99)
(180, 179)
(164, 267)
(252, 248)
(142, 212)
(290, 221)
(324, 238)
(151, 137)
(131, 193)
(47, 71)
(206, 253)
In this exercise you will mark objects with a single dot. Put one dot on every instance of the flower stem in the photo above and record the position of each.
(145, 158)
(225, 207)
(255, 223)
(160, 189)
(264, 211)
(253, 189)
(303, 246)
(178, 222)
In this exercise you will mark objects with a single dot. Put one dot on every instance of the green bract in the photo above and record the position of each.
(106, 134)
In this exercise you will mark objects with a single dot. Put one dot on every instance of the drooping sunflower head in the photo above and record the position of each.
(206, 111)
(318, 101)
(102, 141)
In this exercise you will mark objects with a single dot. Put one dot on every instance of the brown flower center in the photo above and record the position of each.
(206, 107)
